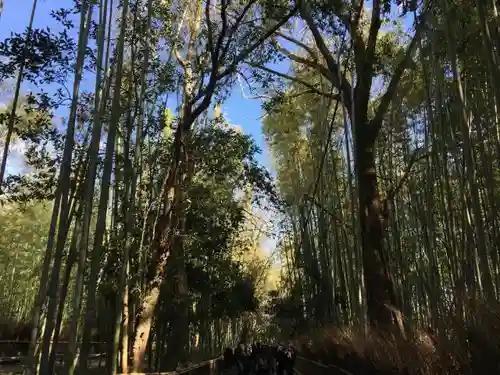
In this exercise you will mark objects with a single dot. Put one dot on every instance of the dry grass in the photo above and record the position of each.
(462, 347)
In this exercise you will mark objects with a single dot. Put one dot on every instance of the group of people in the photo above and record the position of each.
(259, 359)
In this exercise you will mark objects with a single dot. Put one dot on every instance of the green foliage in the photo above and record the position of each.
(22, 247)
(168, 119)
(47, 56)
(225, 163)
(286, 311)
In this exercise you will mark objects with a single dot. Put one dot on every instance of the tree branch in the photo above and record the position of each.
(365, 59)
(356, 16)
(276, 92)
(210, 44)
(236, 25)
(179, 58)
(395, 189)
(206, 93)
(304, 46)
(239, 76)
(339, 79)
(376, 122)
(312, 64)
(320, 206)
(373, 33)
(244, 54)
(297, 80)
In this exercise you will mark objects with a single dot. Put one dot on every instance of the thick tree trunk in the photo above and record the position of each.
(382, 308)
(163, 244)
(144, 328)
(178, 343)
(150, 301)
(125, 321)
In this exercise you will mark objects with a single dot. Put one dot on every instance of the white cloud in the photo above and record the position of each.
(18, 147)
(15, 160)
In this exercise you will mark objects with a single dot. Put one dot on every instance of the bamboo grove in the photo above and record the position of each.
(396, 212)
(152, 246)
(140, 202)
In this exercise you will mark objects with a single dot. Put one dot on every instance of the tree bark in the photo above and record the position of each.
(382, 307)
(168, 224)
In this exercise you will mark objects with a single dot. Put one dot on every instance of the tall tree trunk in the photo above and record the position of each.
(105, 192)
(380, 292)
(64, 180)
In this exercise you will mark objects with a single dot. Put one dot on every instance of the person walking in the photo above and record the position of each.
(281, 359)
(243, 361)
(272, 360)
(229, 363)
(290, 359)
(262, 361)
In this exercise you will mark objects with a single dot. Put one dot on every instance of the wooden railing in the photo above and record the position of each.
(304, 366)
(210, 367)
(15, 352)
(9, 348)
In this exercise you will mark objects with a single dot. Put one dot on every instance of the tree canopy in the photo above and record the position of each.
(140, 213)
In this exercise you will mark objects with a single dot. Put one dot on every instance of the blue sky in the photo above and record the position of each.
(240, 111)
